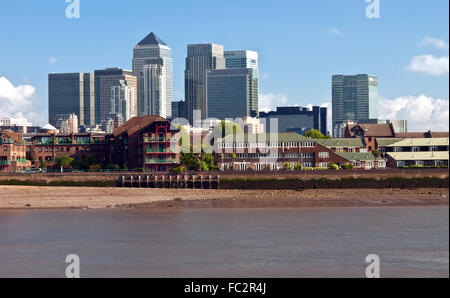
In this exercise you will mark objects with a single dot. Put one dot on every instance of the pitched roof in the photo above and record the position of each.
(427, 134)
(417, 142)
(373, 130)
(426, 155)
(48, 127)
(383, 142)
(356, 156)
(136, 124)
(151, 39)
(340, 142)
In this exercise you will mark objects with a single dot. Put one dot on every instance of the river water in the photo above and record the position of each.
(410, 241)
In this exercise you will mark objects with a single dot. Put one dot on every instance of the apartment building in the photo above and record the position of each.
(45, 147)
(13, 152)
(400, 152)
(144, 143)
(272, 152)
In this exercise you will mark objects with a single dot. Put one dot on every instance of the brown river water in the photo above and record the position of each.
(323, 242)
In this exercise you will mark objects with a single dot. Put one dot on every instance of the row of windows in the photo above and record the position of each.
(265, 145)
(62, 149)
(16, 148)
(274, 155)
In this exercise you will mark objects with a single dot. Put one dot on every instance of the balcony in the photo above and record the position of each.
(46, 143)
(6, 141)
(161, 161)
(156, 140)
(5, 162)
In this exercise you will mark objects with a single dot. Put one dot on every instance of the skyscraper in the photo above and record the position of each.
(200, 58)
(155, 92)
(230, 93)
(105, 81)
(354, 97)
(241, 59)
(233, 92)
(72, 93)
(152, 53)
(123, 100)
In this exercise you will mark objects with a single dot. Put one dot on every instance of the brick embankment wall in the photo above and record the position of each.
(391, 178)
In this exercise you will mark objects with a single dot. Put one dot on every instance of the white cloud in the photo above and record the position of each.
(429, 64)
(16, 102)
(269, 101)
(434, 42)
(335, 31)
(422, 112)
(52, 60)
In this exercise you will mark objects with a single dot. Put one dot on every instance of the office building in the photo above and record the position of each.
(155, 93)
(200, 59)
(106, 81)
(246, 59)
(354, 98)
(67, 124)
(179, 109)
(124, 100)
(72, 93)
(152, 59)
(296, 119)
(230, 93)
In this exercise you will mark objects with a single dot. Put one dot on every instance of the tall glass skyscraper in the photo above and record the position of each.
(105, 81)
(200, 58)
(71, 93)
(354, 98)
(153, 53)
(155, 91)
(249, 60)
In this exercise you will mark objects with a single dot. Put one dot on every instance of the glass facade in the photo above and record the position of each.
(354, 98)
(246, 59)
(72, 93)
(229, 93)
(296, 119)
(152, 51)
(200, 59)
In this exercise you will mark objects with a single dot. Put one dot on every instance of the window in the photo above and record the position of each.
(5, 148)
(415, 149)
(324, 155)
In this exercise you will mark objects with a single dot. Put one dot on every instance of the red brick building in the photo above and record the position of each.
(144, 143)
(13, 152)
(47, 146)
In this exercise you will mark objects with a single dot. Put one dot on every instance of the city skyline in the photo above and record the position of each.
(412, 70)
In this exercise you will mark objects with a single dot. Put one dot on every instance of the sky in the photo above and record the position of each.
(301, 44)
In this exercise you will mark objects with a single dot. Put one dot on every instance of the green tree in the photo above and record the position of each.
(42, 164)
(298, 167)
(376, 153)
(287, 166)
(333, 166)
(63, 161)
(315, 134)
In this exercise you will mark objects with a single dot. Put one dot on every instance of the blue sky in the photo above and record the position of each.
(301, 45)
